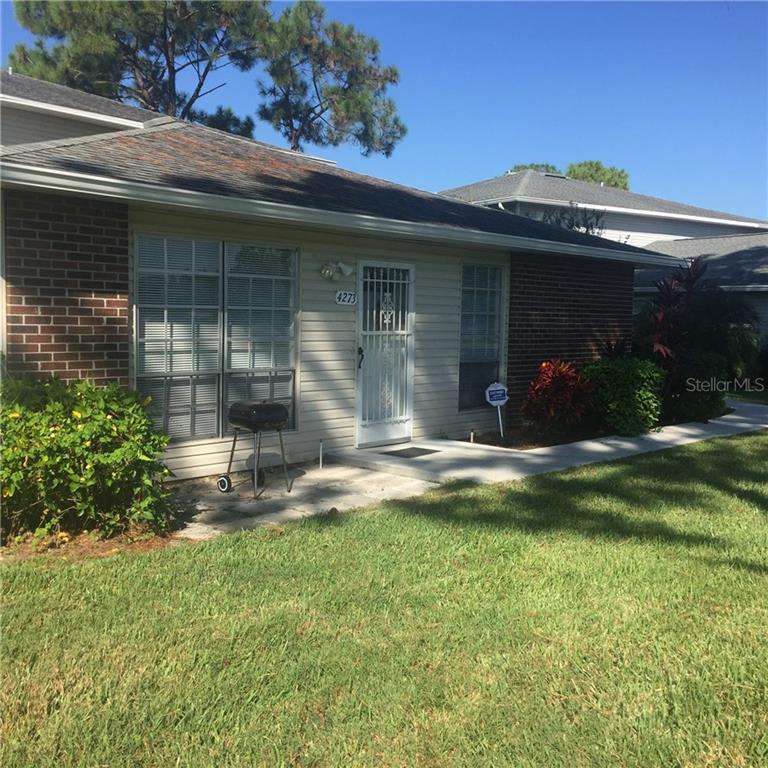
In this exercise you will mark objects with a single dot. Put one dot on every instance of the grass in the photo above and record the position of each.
(613, 615)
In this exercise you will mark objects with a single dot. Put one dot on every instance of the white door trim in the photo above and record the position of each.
(406, 433)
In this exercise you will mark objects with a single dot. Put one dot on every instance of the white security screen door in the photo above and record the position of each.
(385, 354)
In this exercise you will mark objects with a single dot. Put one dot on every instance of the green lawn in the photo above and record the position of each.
(615, 615)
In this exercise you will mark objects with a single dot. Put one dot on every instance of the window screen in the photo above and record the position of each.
(190, 364)
(480, 333)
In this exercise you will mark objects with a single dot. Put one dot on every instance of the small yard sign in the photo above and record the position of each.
(347, 298)
(497, 396)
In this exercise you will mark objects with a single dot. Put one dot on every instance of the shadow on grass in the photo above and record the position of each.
(616, 500)
(330, 519)
(547, 506)
(454, 486)
(739, 563)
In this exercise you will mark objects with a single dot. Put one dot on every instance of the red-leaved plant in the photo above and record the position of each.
(559, 395)
(673, 295)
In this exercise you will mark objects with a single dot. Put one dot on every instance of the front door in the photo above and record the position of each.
(384, 354)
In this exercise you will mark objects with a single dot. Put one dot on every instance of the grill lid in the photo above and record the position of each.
(258, 415)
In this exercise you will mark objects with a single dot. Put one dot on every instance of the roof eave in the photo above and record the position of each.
(619, 209)
(749, 288)
(82, 115)
(19, 175)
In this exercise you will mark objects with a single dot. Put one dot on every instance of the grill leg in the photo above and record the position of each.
(288, 484)
(257, 458)
(232, 452)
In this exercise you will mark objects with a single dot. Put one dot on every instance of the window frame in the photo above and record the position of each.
(223, 435)
(502, 329)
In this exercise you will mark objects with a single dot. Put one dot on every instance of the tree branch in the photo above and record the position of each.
(211, 90)
(197, 93)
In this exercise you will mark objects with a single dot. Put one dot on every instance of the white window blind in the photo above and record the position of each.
(177, 333)
(187, 360)
(480, 333)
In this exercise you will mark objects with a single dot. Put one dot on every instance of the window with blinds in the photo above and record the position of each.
(480, 333)
(260, 309)
(190, 362)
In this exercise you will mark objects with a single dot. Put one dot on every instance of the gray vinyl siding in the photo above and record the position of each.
(327, 340)
(641, 231)
(644, 230)
(23, 126)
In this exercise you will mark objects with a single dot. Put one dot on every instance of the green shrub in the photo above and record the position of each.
(759, 368)
(691, 391)
(76, 456)
(626, 394)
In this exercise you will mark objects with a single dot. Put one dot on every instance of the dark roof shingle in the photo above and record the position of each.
(732, 260)
(24, 87)
(191, 157)
(558, 188)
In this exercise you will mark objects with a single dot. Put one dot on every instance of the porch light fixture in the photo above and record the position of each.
(333, 270)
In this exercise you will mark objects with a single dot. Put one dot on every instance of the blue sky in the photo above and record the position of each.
(676, 93)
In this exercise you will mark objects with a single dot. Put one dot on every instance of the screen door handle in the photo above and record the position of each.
(360, 357)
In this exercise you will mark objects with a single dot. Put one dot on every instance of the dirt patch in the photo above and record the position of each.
(82, 545)
(526, 439)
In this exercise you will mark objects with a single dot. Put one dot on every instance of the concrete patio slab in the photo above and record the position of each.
(314, 491)
(454, 460)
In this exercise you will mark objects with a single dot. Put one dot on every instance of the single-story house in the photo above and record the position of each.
(735, 263)
(627, 217)
(204, 268)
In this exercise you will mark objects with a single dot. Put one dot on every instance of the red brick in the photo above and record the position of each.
(36, 338)
(65, 257)
(562, 307)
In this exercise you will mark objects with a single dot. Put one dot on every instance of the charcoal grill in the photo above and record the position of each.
(257, 416)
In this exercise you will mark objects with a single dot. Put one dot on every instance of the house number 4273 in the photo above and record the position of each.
(346, 297)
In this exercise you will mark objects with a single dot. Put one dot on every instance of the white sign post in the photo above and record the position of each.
(497, 396)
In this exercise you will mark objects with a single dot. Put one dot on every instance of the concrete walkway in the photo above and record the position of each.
(451, 460)
(363, 478)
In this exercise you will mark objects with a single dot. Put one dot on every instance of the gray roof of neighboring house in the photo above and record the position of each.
(558, 188)
(23, 87)
(180, 155)
(732, 260)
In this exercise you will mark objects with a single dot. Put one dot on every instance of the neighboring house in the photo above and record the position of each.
(627, 217)
(203, 268)
(736, 263)
(33, 110)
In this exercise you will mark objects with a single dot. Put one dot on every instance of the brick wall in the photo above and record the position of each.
(562, 307)
(66, 266)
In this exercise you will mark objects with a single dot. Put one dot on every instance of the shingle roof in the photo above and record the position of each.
(555, 187)
(731, 260)
(181, 155)
(24, 87)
